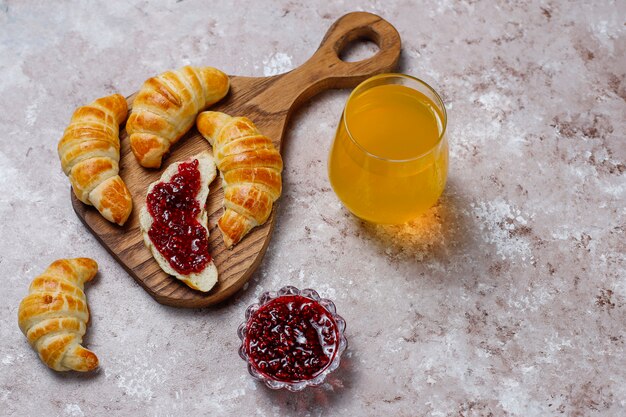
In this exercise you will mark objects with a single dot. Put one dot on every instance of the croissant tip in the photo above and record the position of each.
(88, 361)
(92, 362)
(124, 217)
(87, 263)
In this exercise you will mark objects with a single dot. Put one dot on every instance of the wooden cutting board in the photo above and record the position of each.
(268, 101)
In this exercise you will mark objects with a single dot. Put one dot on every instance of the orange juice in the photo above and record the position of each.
(389, 160)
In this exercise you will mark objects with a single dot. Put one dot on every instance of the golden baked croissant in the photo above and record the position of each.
(54, 314)
(166, 106)
(250, 167)
(90, 153)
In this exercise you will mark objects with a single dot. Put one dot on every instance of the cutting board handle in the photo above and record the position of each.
(336, 73)
(326, 70)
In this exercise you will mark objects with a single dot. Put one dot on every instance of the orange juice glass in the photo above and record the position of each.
(389, 160)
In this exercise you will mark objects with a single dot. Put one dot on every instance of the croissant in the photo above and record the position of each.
(166, 106)
(250, 167)
(90, 152)
(54, 315)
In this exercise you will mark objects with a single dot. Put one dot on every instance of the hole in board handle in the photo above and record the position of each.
(358, 50)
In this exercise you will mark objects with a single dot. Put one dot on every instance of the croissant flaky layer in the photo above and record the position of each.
(251, 168)
(166, 106)
(54, 315)
(90, 152)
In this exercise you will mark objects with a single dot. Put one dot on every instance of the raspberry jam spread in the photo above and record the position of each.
(175, 232)
(291, 338)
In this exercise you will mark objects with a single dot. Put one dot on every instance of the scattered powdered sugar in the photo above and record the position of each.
(516, 401)
(505, 227)
(135, 377)
(615, 190)
(258, 290)
(557, 344)
(224, 399)
(605, 30)
(12, 187)
(561, 233)
(325, 290)
(4, 394)
(393, 346)
(530, 301)
(31, 114)
(444, 6)
(494, 102)
(73, 410)
(232, 395)
(276, 64)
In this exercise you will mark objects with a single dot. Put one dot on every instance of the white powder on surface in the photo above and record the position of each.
(4, 394)
(136, 378)
(73, 410)
(276, 64)
(31, 114)
(499, 222)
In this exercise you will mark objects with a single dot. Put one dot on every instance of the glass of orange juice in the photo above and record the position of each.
(389, 160)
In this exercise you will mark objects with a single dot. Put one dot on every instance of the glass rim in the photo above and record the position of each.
(439, 101)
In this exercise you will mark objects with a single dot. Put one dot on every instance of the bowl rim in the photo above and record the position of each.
(327, 304)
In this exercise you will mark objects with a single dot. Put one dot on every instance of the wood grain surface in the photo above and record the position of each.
(268, 101)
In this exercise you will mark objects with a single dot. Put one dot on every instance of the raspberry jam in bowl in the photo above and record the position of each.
(292, 339)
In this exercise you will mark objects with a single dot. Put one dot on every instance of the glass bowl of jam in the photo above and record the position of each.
(292, 339)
